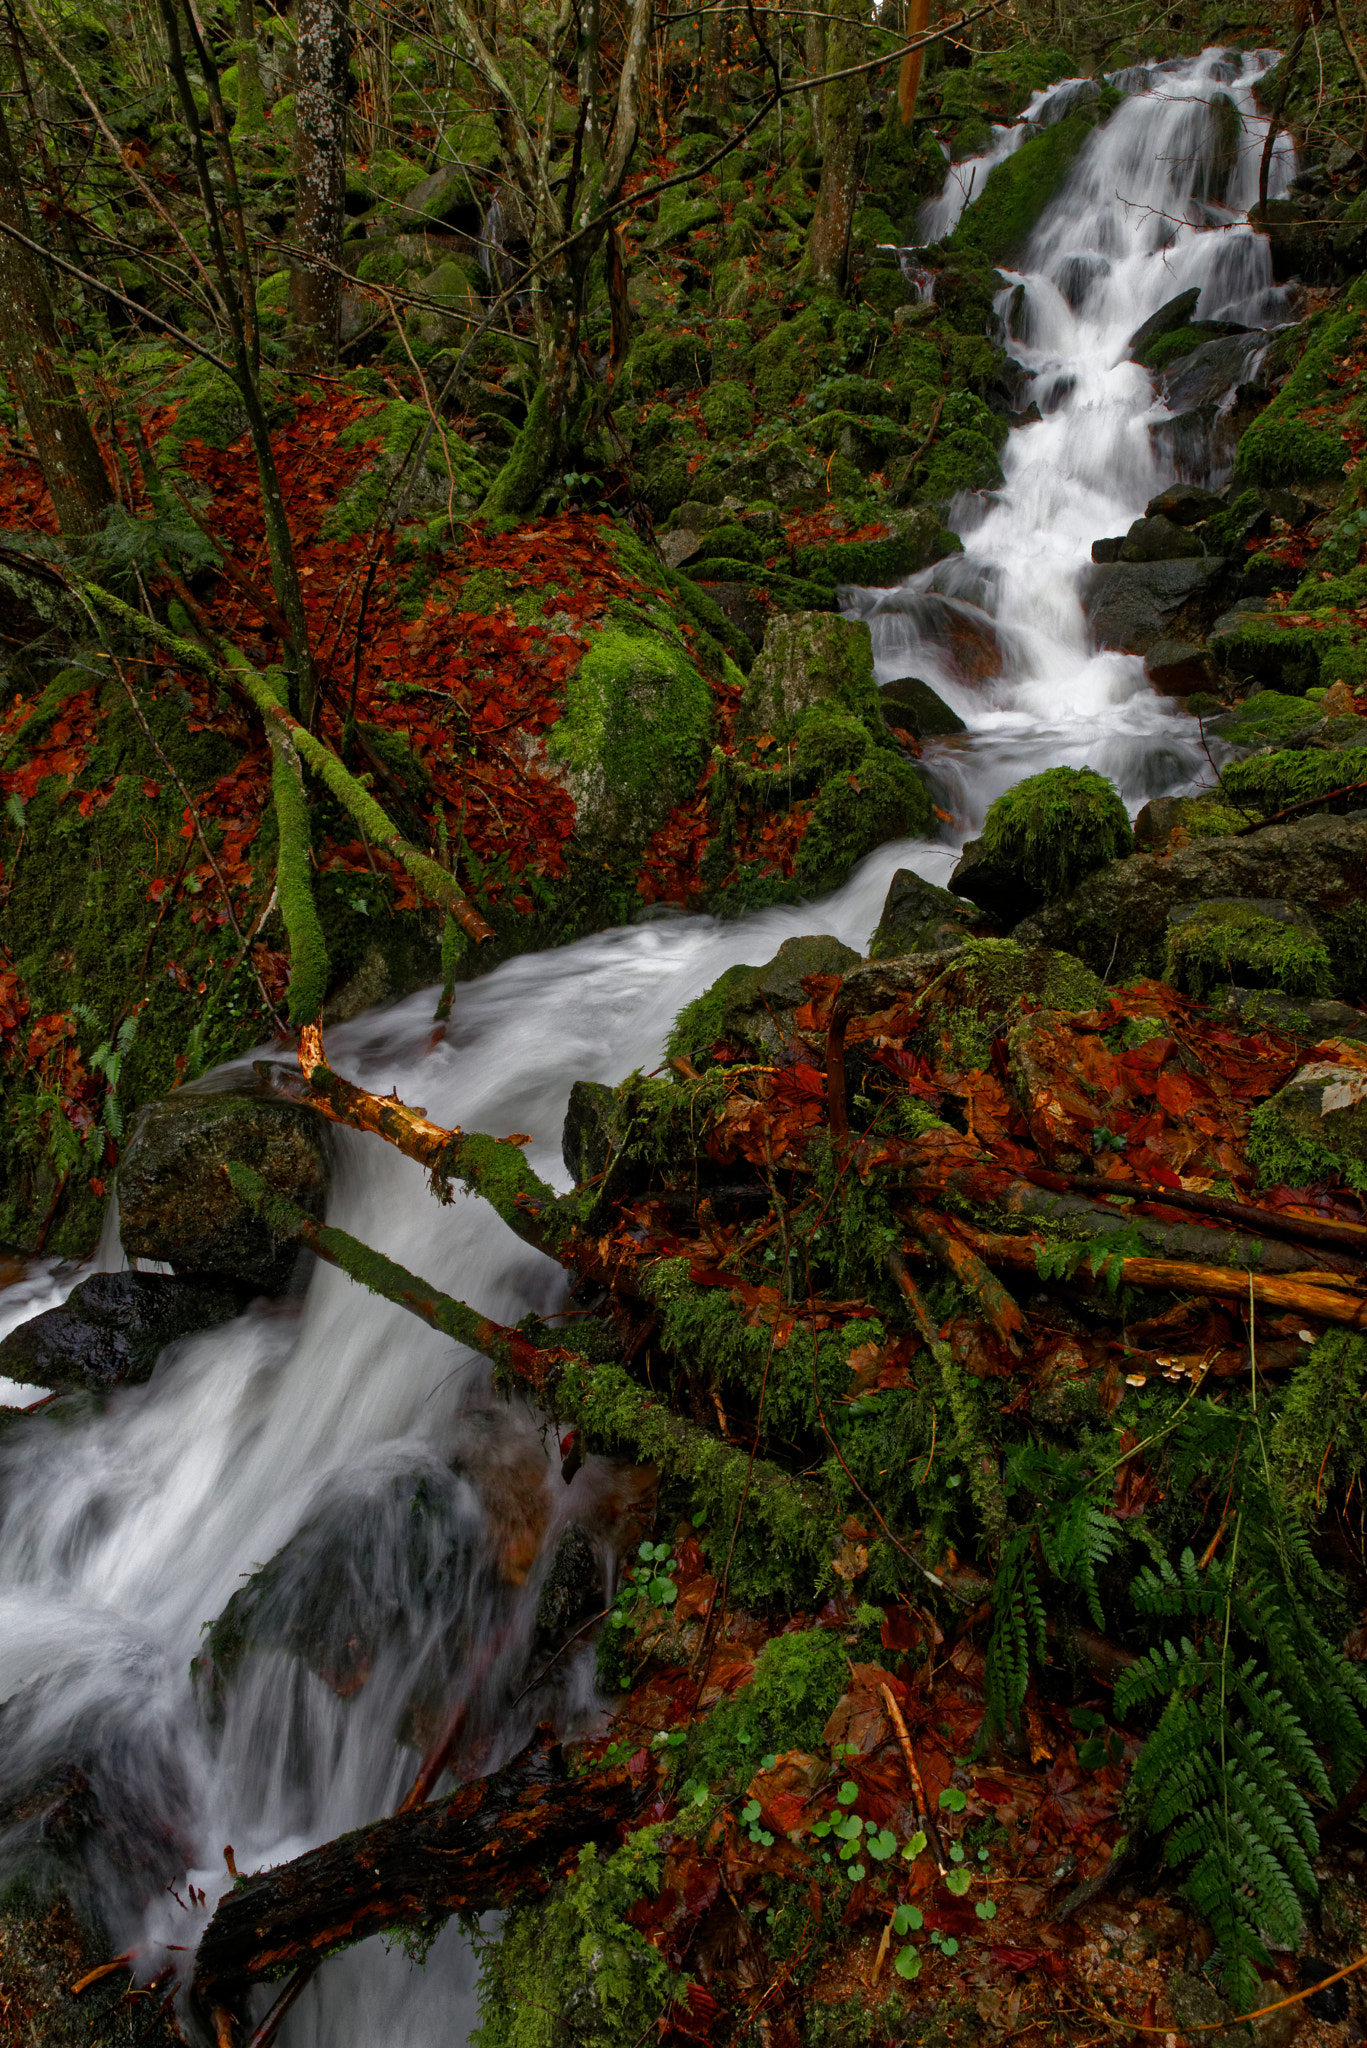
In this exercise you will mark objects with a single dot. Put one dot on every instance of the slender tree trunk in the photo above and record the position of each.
(816, 64)
(67, 449)
(909, 79)
(251, 105)
(828, 245)
(320, 174)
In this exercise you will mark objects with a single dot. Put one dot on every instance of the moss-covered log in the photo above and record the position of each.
(504, 1837)
(308, 983)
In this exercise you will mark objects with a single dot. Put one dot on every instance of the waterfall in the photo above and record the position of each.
(121, 1535)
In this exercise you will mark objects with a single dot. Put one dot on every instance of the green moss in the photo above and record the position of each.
(798, 1681)
(1320, 1433)
(659, 361)
(1236, 942)
(891, 802)
(992, 977)
(1293, 657)
(958, 461)
(1271, 782)
(1268, 718)
(1166, 348)
(1057, 827)
(634, 735)
(515, 488)
(575, 1952)
(1287, 1157)
(450, 473)
(997, 225)
(828, 741)
(785, 363)
(210, 410)
(1281, 447)
(701, 1023)
(728, 411)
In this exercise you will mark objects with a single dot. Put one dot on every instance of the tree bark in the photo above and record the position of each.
(504, 1837)
(829, 240)
(909, 78)
(320, 175)
(251, 108)
(67, 449)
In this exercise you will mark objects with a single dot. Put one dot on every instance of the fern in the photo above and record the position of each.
(1018, 1620)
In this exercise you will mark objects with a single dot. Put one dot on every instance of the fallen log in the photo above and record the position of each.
(505, 1836)
(1326, 1233)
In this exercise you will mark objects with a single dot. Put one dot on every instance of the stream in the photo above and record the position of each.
(121, 1535)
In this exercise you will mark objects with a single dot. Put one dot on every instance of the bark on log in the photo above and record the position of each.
(504, 1837)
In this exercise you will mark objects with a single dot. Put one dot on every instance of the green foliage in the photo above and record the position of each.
(574, 1958)
(997, 224)
(798, 1679)
(891, 802)
(1320, 1433)
(1271, 782)
(1057, 827)
(1236, 942)
(1018, 1620)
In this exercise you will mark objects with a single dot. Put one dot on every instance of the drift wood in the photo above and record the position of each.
(505, 1836)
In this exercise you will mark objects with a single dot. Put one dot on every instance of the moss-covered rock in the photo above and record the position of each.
(175, 1200)
(985, 983)
(1266, 718)
(919, 540)
(728, 410)
(1314, 1129)
(911, 704)
(750, 1009)
(1273, 782)
(917, 918)
(1282, 446)
(1040, 839)
(1290, 652)
(1257, 944)
(807, 659)
(998, 223)
(886, 799)
(450, 473)
(633, 739)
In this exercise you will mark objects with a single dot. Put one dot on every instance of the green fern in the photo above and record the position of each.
(1018, 1620)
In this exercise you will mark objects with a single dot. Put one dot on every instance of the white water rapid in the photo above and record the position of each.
(121, 1534)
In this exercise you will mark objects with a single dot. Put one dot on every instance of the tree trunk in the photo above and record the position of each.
(909, 78)
(320, 175)
(816, 65)
(251, 107)
(829, 242)
(501, 1838)
(67, 449)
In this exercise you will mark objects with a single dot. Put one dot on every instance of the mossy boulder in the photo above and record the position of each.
(450, 472)
(1191, 817)
(1274, 781)
(917, 918)
(1259, 943)
(1040, 839)
(983, 986)
(660, 361)
(911, 704)
(633, 739)
(998, 224)
(810, 658)
(751, 1008)
(175, 1201)
(1266, 718)
(919, 540)
(587, 1138)
(1315, 1129)
(728, 410)
(885, 798)
(111, 1329)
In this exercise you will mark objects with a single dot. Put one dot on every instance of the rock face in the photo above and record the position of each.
(110, 1330)
(571, 1592)
(1315, 1127)
(912, 704)
(633, 738)
(809, 658)
(1175, 313)
(176, 1203)
(1157, 539)
(917, 918)
(1130, 605)
(1118, 917)
(1256, 942)
(586, 1141)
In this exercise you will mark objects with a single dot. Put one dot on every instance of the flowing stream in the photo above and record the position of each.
(122, 1534)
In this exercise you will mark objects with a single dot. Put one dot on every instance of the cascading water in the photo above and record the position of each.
(329, 1418)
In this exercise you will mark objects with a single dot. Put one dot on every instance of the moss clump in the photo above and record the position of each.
(1314, 1130)
(1270, 782)
(1269, 718)
(659, 361)
(1282, 447)
(1217, 943)
(210, 410)
(1166, 348)
(1293, 658)
(449, 474)
(991, 979)
(1320, 1434)
(1056, 828)
(634, 734)
(798, 1681)
(891, 802)
(572, 1965)
(998, 224)
(515, 488)
(728, 411)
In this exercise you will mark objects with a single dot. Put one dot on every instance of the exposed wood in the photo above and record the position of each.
(503, 1837)
(955, 1251)
(1325, 1232)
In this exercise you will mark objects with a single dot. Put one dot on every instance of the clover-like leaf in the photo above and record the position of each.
(986, 1909)
(750, 1811)
(953, 1800)
(908, 1920)
(908, 1962)
(881, 1845)
(959, 1881)
(915, 1847)
(848, 1793)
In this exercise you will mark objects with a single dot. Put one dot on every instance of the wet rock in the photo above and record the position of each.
(1108, 550)
(1207, 374)
(809, 658)
(177, 1205)
(111, 1329)
(1130, 605)
(912, 704)
(1315, 1129)
(1197, 817)
(751, 1008)
(1187, 441)
(1178, 668)
(571, 1592)
(743, 604)
(1039, 839)
(1184, 505)
(1314, 1019)
(982, 988)
(586, 1141)
(917, 918)
(1175, 313)
(1159, 540)
(45, 1948)
(1118, 917)
(1260, 942)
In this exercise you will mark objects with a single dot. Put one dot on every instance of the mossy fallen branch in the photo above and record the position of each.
(308, 981)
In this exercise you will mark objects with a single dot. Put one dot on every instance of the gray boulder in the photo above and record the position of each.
(1130, 605)
(1184, 505)
(752, 1008)
(809, 658)
(177, 1205)
(1178, 668)
(111, 1329)
(1315, 1128)
(918, 918)
(912, 704)
(1176, 313)
(1159, 540)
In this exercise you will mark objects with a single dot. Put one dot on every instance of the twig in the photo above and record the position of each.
(909, 1759)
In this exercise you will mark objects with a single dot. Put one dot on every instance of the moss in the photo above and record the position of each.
(958, 461)
(702, 1023)
(1320, 1433)
(1318, 648)
(450, 472)
(1290, 451)
(998, 224)
(1269, 718)
(572, 1964)
(1285, 1156)
(1271, 782)
(210, 410)
(634, 734)
(1345, 934)
(515, 487)
(992, 977)
(828, 741)
(1238, 942)
(728, 411)
(785, 363)
(1166, 348)
(798, 1681)
(659, 361)
(891, 802)
(1057, 827)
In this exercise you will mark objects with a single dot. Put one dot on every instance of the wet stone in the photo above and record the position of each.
(910, 703)
(917, 918)
(1159, 540)
(586, 1142)
(1184, 505)
(111, 1329)
(572, 1590)
(1175, 313)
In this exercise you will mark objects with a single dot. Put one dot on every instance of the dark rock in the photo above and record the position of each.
(1108, 550)
(176, 1204)
(1177, 668)
(1260, 941)
(1118, 917)
(1164, 815)
(912, 704)
(1176, 313)
(446, 196)
(1130, 605)
(1300, 238)
(1331, 2004)
(993, 884)
(1184, 505)
(1209, 373)
(1314, 1019)
(111, 1329)
(744, 605)
(1159, 540)
(917, 918)
(571, 1592)
(752, 1008)
(586, 1142)
(1187, 442)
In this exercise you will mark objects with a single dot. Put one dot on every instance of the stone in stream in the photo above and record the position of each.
(910, 703)
(1130, 605)
(918, 918)
(1174, 313)
(111, 1329)
(1039, 839)
(1259, 942)
(571, 1592)
(177, 1205)
(1178, 668)
(1184, 505)
(809, 658)
(587, 1139)
(751, 1008)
